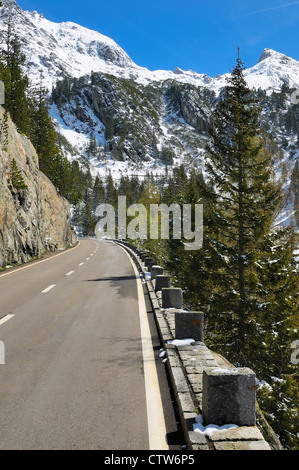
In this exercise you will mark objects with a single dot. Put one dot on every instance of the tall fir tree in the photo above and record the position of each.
(88, 219)
(42, 133)
(245, 197)
(14, 78)
(98, 193)
(16, 177)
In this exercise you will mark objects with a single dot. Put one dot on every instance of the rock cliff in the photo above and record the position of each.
(34, 218)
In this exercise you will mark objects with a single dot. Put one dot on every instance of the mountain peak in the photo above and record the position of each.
(68, 49)
(273, 70)
(270, 53)
(60, 49)
(10, 9)
(10, 4)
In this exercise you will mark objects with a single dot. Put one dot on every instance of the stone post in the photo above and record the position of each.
(189, 325)
(162, 280)
(171, 297)
(155, 270)
(148, 262)
(143, 255)
(228, 396)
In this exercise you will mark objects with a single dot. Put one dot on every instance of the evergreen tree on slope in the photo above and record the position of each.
(245, 198)
(14, 78)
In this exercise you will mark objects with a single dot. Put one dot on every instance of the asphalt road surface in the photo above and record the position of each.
(82, 367)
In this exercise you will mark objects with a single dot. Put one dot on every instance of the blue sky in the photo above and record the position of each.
(201, 35)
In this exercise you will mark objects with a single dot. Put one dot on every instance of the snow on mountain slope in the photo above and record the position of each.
(59, 49)
(169, 108)
(270, 73)
(272, 70)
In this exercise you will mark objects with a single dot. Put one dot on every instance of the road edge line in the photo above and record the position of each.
(155, 415)
(41, 261)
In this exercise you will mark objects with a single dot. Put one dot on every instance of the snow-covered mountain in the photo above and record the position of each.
(68, 49)
(127, 118)
(60, 49)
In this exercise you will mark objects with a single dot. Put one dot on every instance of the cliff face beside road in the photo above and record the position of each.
(33, 217)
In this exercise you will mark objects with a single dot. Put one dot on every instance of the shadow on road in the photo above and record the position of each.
(122, 285)
(113, 278)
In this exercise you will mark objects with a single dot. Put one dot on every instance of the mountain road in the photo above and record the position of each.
(81, 367)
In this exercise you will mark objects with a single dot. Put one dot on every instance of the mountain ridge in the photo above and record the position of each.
(66, 48)
(139, 120)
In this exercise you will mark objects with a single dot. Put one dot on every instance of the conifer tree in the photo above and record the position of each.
(98, 193)
(12, 74)
(16, 177)
(111, 191)
(277, 301)
(245, 197)
(42, 134)
(92, 145)
(188, 267)
(88, 219)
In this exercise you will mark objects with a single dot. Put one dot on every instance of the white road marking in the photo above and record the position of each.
(6, 318)
(81, 264)
(41, 261)
(155, 415)
(87, 259)
(48, 288)
(69, 273)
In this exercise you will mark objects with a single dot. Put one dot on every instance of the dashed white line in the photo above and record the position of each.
(69, 273)
(48, 288)
(87, 259)
(81, 264)
(6, 318)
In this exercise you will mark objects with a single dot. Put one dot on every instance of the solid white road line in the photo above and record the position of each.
(155, 415)
(41, 261)
(48, 288)
(6, 318)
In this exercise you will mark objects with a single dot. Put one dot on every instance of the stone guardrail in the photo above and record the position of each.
(216, 401)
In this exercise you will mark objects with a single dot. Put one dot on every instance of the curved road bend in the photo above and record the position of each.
(76, 352)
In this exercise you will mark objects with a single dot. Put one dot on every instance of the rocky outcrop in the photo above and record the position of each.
(194, 112)
(33, 217)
